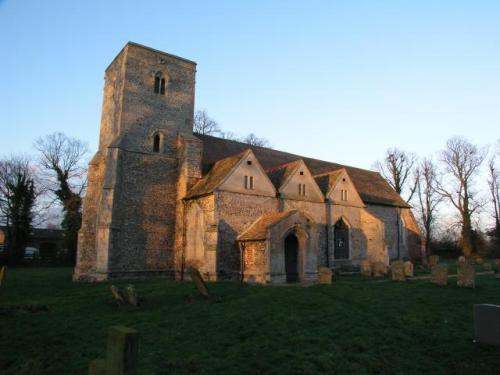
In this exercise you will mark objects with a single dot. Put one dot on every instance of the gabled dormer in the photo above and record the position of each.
(339, 188)
(248, 177)
(295, 181)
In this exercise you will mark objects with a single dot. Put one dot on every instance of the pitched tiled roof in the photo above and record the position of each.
(278, 175)
(370, 185)
(258, 229)
(217, 173)
(327, 180)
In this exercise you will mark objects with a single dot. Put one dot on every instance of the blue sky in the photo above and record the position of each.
(336, 80)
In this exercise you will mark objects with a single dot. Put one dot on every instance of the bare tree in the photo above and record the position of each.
(397, 168)
(462, 160)
(253, 140)
(62, 158)
(428, 198)
(204, 124)
(494, 185)
(17, 200)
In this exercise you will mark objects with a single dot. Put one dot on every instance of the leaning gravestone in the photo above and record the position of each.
(398, 271)
(117, 296)
(131, 295)
(366, 268)
(198, 281)
(121, 353)
(466, 276)
(3, 273)
(408, 268)
(487, 324)
(378, 269)
(433, 260)
(439, 274)
(325, 275)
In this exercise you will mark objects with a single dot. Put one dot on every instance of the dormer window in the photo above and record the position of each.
(249, 182)
(302, 190)
(343, 195)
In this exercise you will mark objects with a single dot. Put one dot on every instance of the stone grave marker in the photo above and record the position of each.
(325, 275)
(366, 268)
(497, 263)
(398, 271)
(3, 274)
(466, 276)
(198, 281)
(121, 353)
(479, 261)
(408, 268)
(117, 296)
(378, 269)
(433, 260)
(487, 324)
(487, 266)
(131, 295)
(439, 274)
(461, 261)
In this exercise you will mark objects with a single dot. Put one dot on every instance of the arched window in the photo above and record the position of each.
(157, 84)
(156, 143)
(162, 86)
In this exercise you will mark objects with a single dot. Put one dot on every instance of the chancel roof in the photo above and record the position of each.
(371, 186)
(258, 230)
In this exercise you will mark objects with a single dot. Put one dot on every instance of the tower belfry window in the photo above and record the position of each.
(156, 143)
(157, 85)
(162, 86)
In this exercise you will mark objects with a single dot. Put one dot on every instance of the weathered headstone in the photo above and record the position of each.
(487, 324)
(461, 261)
(408, 266)
(433, 260)
(398, 271)
(121, 353)
(439, 274)
(325, 275)
(366, 268)
(497, 263)
(466, 276)
(198, 281)
(378, 269)
(3, 274)
(479, 261)
(487, 266)
(131, 295)
(117, 296)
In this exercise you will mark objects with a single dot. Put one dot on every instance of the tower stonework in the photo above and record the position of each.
(147, 157)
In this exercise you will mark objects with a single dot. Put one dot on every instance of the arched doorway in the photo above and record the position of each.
(341, 236)
(291, 258)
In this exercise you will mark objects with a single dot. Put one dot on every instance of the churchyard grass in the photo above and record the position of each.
(354, 326)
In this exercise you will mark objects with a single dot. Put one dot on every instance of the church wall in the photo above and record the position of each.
(357, 238)
(235, 212)
(414, 239)
(255, 261)
(373, 230)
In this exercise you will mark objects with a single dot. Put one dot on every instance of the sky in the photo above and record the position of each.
(335, 80)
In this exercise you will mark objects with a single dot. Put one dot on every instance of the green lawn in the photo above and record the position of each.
(354, 326)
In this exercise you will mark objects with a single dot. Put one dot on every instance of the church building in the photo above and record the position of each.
(161, 198)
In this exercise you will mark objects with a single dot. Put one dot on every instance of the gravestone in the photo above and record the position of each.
(198, 281)
(487, 266)
(398, 271)
(131, 295)
(378, 269)
(366, 268)
(3, 274)
(325, 275)
(433, 260)
(466, 276)
(461, 261)
(121, 353)
(487, 324)
(479, 261)
(497, 263)
(408, 266)
(439, 274)
(117, 296)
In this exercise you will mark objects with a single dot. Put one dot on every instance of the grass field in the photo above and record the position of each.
(354, 326)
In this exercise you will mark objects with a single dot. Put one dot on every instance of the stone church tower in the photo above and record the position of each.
(140, 168)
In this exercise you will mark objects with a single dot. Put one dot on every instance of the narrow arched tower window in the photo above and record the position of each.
(162, 86)
(157, 85)
(156, 143)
